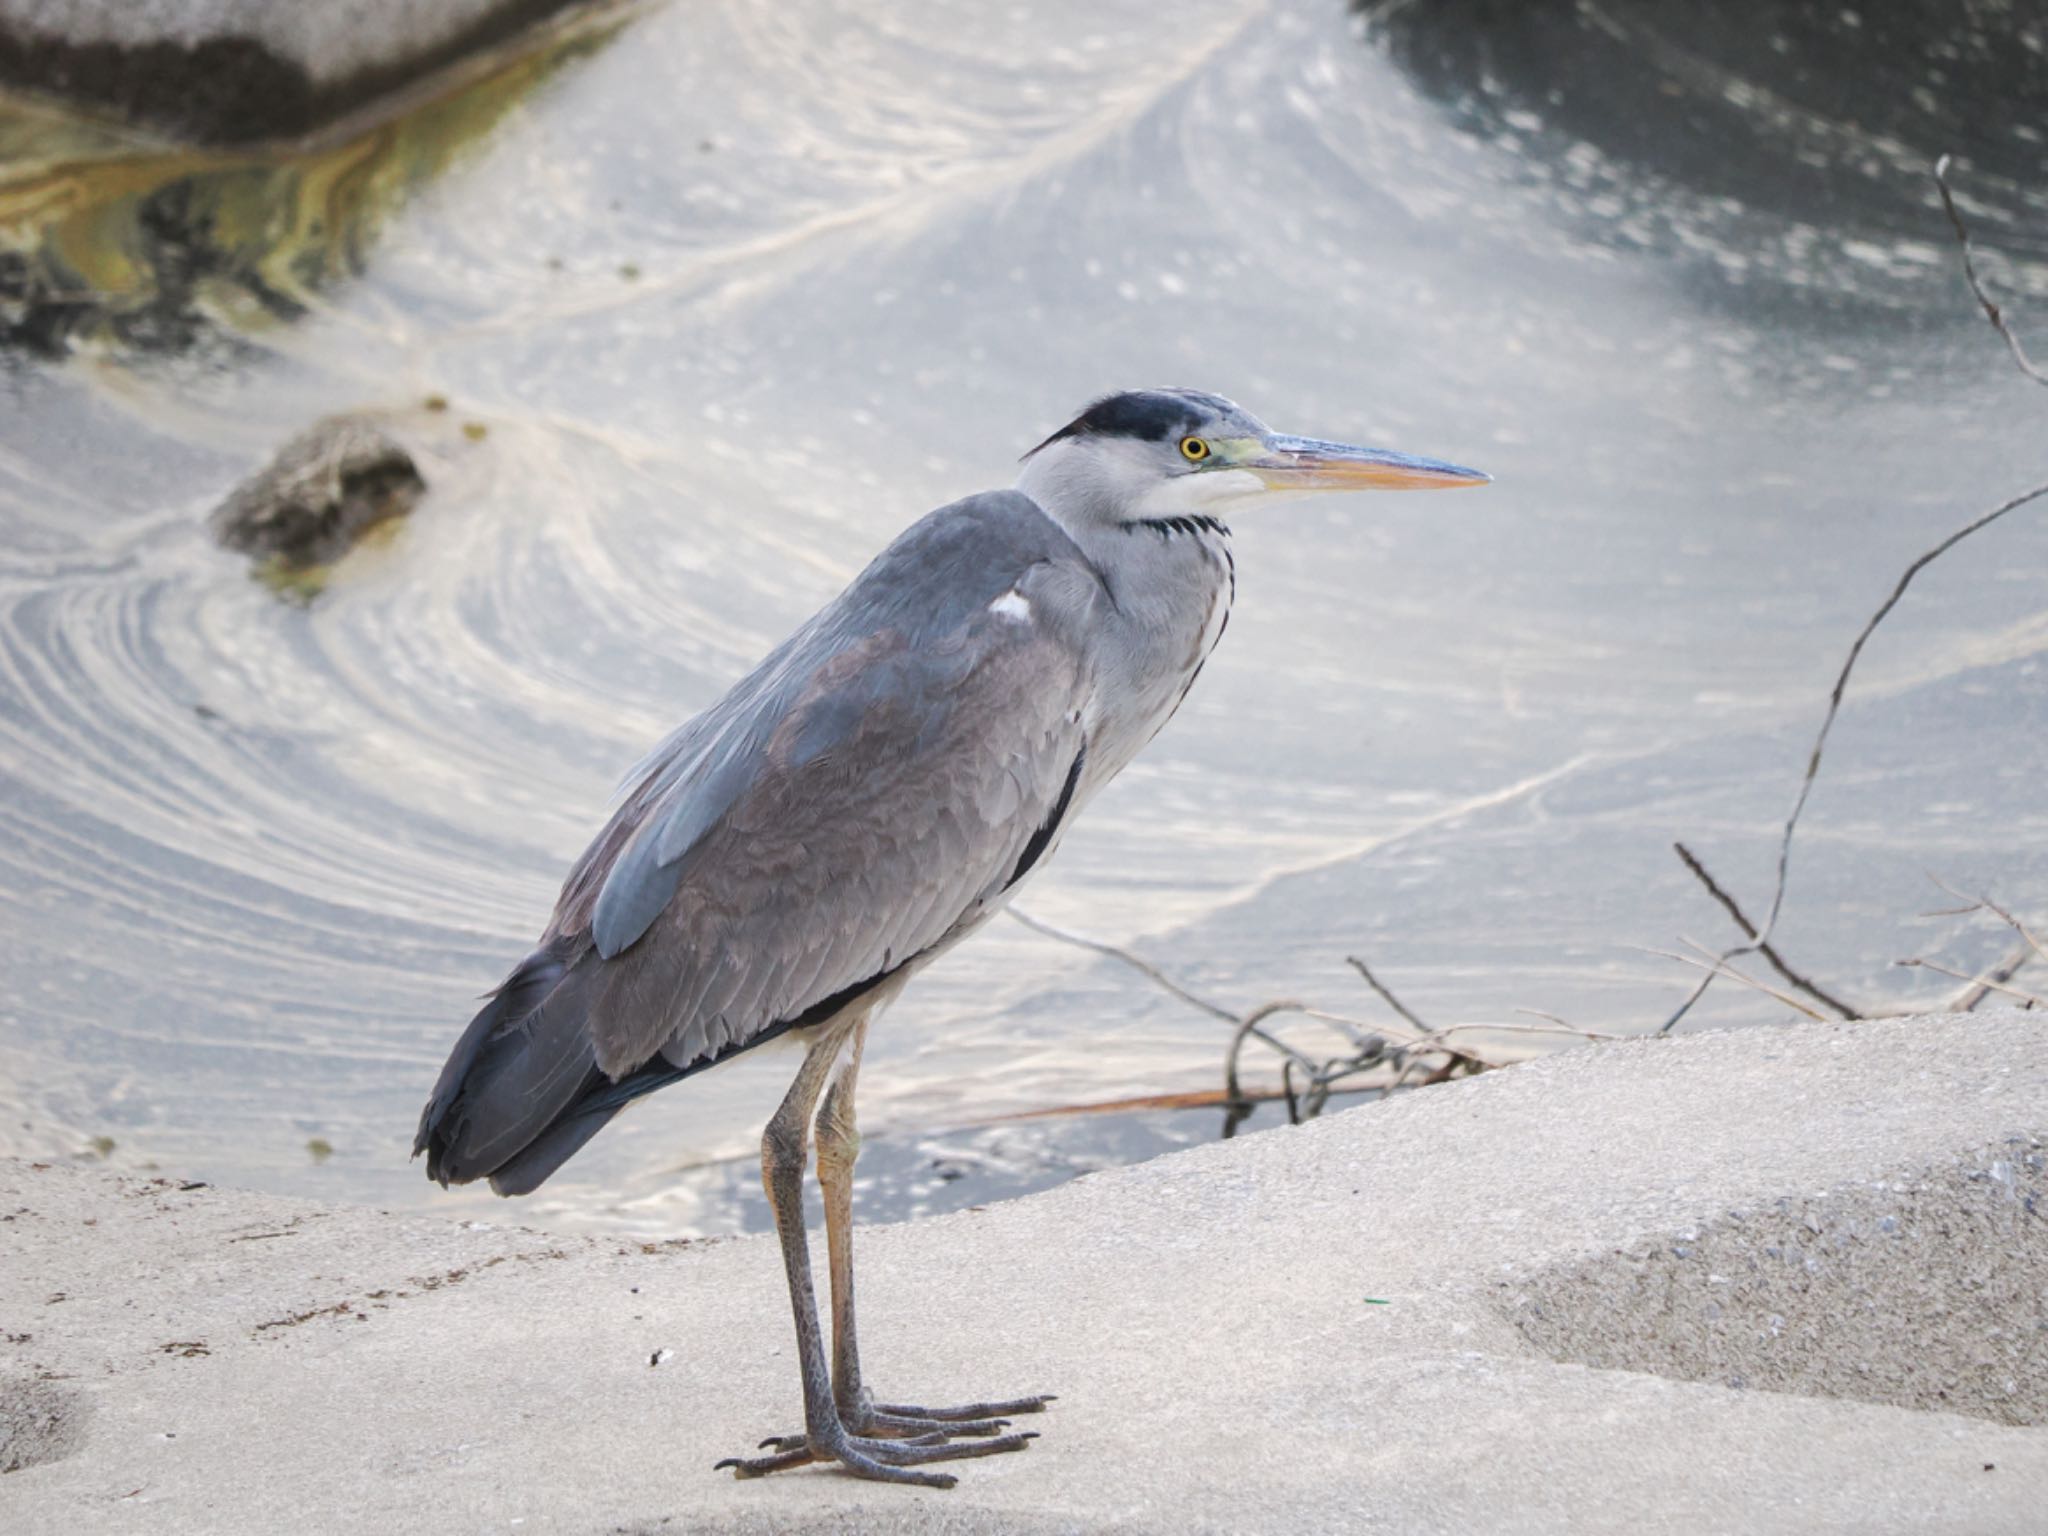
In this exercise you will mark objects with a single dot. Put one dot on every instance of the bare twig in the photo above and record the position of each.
(1984, 982)
(1102, 947)
(1386, 996)
(1435, 1038)
(1712, 965)
(1975, 981)
(1192, 1098)
(1995, 977)
(1538, 1013)
(1237, 1105)
(1991, 310)
(1827, 725)
(1357, 1031)
(1306, 1083)
(1986, 904)
(1834, 706)
(1368, 1049)
(1763, 946)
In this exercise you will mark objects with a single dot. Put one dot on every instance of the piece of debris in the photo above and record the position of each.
(661, 1357)
(313, 503)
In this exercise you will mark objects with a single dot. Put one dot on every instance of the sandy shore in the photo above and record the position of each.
(1772, 1280)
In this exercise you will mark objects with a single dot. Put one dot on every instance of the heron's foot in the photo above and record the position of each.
(908, 1422)
(955, 1420)
(885, 1460)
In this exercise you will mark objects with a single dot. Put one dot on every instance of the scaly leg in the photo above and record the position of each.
(784, 1151)
(838, 1149)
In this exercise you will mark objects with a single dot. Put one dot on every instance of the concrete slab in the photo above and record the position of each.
(1510, 1304)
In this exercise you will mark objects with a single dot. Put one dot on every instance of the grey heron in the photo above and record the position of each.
(867, 796)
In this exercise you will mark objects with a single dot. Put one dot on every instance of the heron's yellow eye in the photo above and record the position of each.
(1193, 449)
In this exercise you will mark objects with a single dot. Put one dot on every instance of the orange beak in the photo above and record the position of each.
(1305, 464)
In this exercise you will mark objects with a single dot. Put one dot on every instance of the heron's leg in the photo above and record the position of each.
(784, 1152)
(838, 1150)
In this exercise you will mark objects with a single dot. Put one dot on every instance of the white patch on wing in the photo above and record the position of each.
(1012, 605)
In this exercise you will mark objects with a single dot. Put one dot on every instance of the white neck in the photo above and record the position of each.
(1095, 483)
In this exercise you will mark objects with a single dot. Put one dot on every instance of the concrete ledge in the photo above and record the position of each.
(1509, 1304)
(1926, 1291)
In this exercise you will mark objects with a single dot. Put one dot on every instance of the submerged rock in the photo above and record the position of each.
(313, 503)
(143, 244)
(226, 71)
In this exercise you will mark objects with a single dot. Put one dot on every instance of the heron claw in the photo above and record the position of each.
(884, 1441)
(888, 1461)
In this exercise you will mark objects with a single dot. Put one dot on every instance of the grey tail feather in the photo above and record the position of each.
(517, 996)
(530, 1167)
(522, 1091)
(587, 1114)
(525, 1056)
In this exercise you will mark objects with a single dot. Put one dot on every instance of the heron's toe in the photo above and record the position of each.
(966, 1413)
(908, 1453)
(760, 1466)
(896, 1426)
(885, 1459)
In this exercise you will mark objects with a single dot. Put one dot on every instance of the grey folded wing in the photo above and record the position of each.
(867, 798)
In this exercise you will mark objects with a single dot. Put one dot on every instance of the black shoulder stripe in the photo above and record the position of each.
(1035, 849)
(1193, 522)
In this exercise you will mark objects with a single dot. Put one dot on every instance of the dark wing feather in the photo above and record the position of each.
(884, 816)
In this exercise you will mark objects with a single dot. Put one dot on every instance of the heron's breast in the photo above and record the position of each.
(1163, 652)
(1222, 593)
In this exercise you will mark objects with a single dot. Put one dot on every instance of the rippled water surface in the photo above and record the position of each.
(719, 303)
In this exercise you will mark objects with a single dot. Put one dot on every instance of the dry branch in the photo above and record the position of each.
(1898, 591)
(1764, 946)
(1986, 904)
(1984, 981)
(1982, 985)
(1984, 300)
(1386, 996)
(1307, 1082)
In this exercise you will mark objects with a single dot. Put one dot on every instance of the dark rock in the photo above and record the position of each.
(326, 488)
(139, 246)
(216, 72)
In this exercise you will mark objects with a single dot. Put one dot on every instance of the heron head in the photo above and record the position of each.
(1170, 452)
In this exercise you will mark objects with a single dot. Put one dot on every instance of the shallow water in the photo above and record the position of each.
(726, 300)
